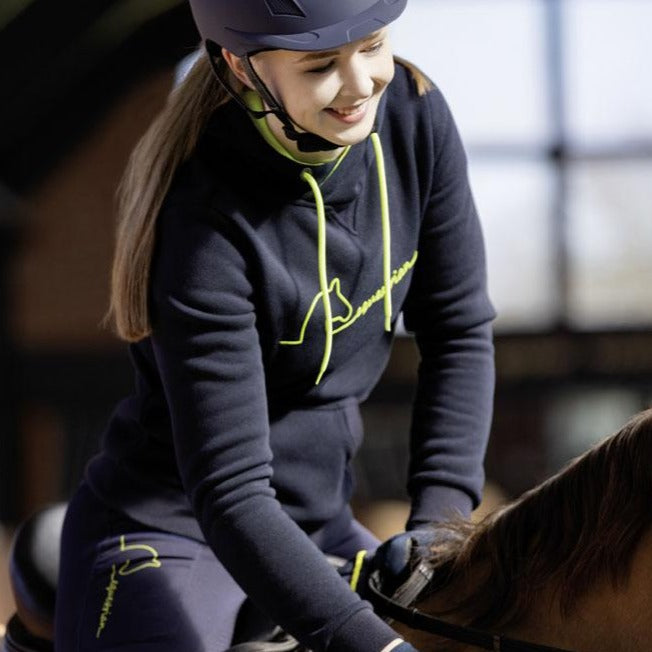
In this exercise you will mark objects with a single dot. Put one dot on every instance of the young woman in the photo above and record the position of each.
(299, 191)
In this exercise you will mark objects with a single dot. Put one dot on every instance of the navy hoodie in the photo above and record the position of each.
(229, 438)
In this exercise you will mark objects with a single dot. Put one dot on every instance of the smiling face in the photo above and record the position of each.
(333, 94)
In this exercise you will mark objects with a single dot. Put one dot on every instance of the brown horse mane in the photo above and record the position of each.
(578, 527)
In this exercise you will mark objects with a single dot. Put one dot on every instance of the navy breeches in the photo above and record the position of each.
(126, 587)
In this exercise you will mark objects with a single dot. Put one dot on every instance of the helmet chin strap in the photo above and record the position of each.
(306, 141)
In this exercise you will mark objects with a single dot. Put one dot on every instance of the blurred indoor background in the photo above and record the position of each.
(554, 102)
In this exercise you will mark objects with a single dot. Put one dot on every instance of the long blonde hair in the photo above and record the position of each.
(169, 141)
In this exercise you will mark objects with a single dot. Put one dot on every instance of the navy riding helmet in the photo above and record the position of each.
(245, 27)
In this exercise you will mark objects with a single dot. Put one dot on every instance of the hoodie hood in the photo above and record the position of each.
(232, 135)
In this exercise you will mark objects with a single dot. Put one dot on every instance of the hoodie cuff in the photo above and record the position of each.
(438, 503)
(398, 645)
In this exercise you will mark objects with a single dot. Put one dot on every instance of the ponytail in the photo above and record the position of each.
(169, 141)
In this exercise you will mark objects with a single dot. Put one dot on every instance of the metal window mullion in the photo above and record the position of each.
(558, 154)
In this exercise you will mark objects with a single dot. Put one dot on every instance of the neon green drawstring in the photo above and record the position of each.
(323, 275)
(321, 251)
(384, 216)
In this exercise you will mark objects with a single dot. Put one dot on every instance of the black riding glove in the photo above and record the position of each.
(392, 563)
(396, 558)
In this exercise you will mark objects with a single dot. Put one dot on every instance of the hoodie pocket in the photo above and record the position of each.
(312, 451)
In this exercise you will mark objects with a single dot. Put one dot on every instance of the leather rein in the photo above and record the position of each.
(396, 609)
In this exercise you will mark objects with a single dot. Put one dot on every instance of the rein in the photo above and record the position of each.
(395, 609)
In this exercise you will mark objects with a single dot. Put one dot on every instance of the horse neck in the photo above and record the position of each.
(608, 618)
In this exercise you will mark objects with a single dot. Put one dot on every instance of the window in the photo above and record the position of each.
(553, 99)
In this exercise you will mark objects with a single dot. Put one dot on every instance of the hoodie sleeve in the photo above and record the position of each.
(207, 349)
(449, 311)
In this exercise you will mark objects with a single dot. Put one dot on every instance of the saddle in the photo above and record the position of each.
(33, 573)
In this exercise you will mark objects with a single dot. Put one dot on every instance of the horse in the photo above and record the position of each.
(566, 566)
